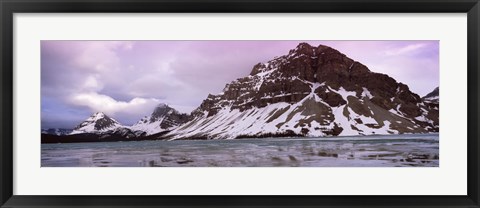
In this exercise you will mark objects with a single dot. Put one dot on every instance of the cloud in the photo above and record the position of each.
(405, 49)
(106, 104)
(126, 112)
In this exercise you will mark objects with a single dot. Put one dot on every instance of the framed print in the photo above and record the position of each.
(245, 104)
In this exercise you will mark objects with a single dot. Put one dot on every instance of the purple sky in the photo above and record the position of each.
(126, 79)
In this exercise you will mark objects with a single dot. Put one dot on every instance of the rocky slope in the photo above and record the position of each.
(311, 91)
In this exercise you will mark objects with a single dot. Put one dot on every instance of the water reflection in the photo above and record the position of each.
(365, 151)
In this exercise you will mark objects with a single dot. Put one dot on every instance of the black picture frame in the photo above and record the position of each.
(10, 7)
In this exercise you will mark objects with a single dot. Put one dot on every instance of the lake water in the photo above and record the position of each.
(363, 151)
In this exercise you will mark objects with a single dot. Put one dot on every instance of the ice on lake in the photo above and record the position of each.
(361, 151)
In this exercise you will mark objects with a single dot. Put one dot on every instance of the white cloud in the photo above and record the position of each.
(103, 103)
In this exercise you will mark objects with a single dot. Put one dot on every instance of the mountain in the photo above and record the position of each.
(432, 96)
(97, 123)
(163, 118)
(56, 131)
(311, 91)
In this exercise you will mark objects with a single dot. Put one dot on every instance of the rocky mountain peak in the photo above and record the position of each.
(97, 122)
(316, 91)
(98, 116)
(163, 118)
(303, 49)
(160, 111)
(290, 78)
(313, 64)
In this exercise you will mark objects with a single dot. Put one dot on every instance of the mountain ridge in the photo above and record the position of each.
(311, 91)
(163, 118)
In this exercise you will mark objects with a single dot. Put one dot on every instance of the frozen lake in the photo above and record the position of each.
(363, 151)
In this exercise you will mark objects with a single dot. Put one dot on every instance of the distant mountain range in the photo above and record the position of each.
(311, 92)
(57, 131)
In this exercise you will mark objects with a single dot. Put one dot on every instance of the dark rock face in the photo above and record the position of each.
(333, 99)
(321, 71)
(174, 119)
(104, 123)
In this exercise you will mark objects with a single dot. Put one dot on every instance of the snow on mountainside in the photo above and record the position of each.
(312, 91)
(163, 118)
(97, 123)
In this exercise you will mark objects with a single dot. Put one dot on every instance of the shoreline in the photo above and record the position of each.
(93, 138)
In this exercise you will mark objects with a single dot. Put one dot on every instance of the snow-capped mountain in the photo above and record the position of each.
(163, 118)
(57, 131)
(97, 123)
(311, 91)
